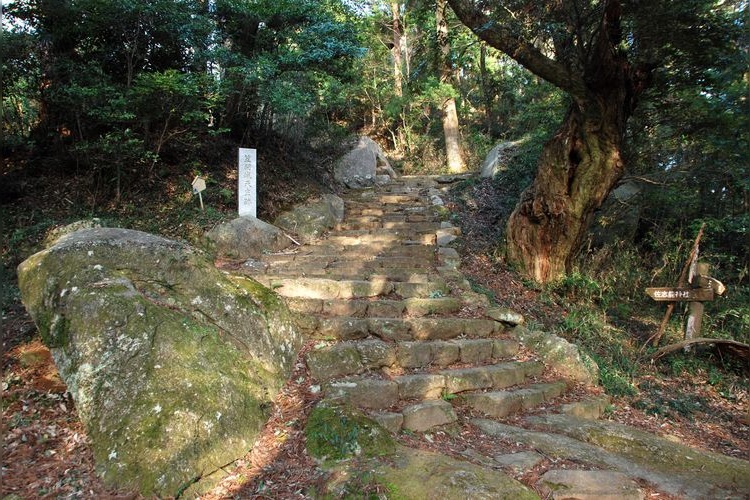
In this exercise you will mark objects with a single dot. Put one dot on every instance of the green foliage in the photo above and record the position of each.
(611, 348)
(163, 76)
(671, 406)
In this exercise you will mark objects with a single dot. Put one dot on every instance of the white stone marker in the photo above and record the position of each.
(248, 171)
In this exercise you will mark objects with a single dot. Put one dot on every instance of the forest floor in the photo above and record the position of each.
(46, 453)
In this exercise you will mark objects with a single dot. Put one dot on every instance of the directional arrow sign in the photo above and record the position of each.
(667, 294)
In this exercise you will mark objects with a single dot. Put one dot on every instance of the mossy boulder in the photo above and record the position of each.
(172, 364)
(310, 220)
(562, 356)
(245, 238)
(335, 432)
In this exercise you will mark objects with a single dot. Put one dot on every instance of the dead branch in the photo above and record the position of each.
(732, 346)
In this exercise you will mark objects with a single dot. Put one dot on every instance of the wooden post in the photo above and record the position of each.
(698, 278)
(680, 283)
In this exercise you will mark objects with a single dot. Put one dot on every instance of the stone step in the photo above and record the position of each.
(324, 254)
(590, 408)
(354, 358)
(500, 404)
(404, 199)
(265, 272)
(401, 229)
(427, 415)
(412, 217)
(381, 393)
(379, 263)
(364, 264)
(359, 308)
(380, 238)
(407, 275)
(398, 329)
(414, 214)
(358, 223)
(324, 288)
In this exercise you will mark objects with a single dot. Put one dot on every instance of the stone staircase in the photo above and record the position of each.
(401, 333)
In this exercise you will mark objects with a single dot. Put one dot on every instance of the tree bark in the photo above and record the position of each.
(582, 162)
(398, 77)
(486, 95)
(577, 169)
(451, 131)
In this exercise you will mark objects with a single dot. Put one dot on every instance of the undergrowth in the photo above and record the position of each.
(609, 316)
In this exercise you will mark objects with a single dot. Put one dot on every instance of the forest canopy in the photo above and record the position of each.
(655, 92)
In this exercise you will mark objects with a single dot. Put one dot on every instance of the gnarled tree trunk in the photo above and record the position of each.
(582, 162)
(578, 168)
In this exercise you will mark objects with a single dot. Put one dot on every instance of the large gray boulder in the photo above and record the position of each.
(171, 363)
(310, 220)
(364, 166)
(245, 238)
(618, 218)
(498, 158)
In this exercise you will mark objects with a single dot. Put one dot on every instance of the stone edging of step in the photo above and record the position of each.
(559, 355)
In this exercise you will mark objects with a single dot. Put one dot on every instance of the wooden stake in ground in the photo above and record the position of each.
(656, 338)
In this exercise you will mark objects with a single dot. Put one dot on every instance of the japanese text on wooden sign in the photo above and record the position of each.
(681, 294)
(248, 171)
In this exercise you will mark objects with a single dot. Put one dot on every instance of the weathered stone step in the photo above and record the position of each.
(355, 308)
(500, 404)
(380, 263)
(323, 288)
(387, 211)
(399, 329)
(591, 407)
(662, 461)
(338, 271)
(411, 217)
(408, 275)
(382, 393)
(405, 231)
(381, 238)
(354, 358)
(325, 255)
(378, 199)
(374, 223)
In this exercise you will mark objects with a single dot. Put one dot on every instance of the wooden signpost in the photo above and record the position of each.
(666, 294)
(703, 289)
(199, 185)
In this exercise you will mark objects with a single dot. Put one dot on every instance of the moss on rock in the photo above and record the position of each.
(410, 473)
(336, 432)
(172, 365)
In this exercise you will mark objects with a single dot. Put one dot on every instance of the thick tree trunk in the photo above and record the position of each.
(582, 162)
(578, 167)
(451, 130)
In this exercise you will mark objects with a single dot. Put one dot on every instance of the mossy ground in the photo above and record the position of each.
(338, 432)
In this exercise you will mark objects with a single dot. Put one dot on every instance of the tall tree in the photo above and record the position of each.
(398, 71)
(603, 54)
(451, 130)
